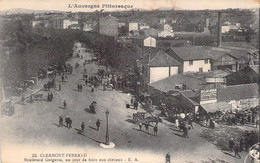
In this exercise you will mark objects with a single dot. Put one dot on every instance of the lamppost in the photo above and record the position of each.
(107, 135)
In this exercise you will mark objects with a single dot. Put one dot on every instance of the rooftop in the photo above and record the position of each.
(255, 68)
(161, 59)
(238, 92)
(168, 84)
(190, 53)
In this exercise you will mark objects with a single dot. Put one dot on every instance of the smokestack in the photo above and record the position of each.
(219, 29)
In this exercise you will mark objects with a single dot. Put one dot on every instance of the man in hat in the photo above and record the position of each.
(67, 121)
(98, 124)
(60, 121)
(231, 144)
(65, 104)
(82, 126)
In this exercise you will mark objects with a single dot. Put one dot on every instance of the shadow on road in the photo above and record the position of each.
(55, 124)
(226, 153)
(79, 131)
(61, 107)
(178, 135)
(175, 130)
(94, 140)
(93, 128)
(130, 121)
(143, 131)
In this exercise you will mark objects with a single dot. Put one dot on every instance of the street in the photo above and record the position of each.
(36, 124)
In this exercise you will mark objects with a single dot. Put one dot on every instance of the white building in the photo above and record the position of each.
(165, 34)
(150, 42)
(193, 58)
(133, 26)
(67, 23)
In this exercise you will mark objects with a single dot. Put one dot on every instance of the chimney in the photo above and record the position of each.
(219, 29)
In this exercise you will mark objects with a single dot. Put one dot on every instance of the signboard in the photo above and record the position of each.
(210, 94)
(215, 80)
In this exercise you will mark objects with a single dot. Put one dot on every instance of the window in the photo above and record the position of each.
(190, 62)
(200, 70)
(206, 61)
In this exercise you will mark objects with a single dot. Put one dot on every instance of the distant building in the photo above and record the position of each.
(121, 24)
(88, 26)
(150, 42)
(157, 65)
(149, 32)
(36, 22)
(74, 26)
(143, 26)
(193, 58)
(242, 96)
(165, 34)
(133, 26)
(167, 27)
(108, 26)
(162, 21)
(222, 60)
(60, 23)
(68, 22)
(246, 75)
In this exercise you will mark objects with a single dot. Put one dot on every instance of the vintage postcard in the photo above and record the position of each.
(128, 81)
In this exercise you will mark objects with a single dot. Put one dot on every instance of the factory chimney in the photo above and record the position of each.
(219, 29)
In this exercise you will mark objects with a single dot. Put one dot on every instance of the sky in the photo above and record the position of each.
(63, 5)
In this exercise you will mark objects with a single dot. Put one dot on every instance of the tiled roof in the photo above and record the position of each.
(144, 52)
(237, 92)
(191, 53)
(237, 53)
(169, 83)
(218, 54)
(161, 59)
(255, 68)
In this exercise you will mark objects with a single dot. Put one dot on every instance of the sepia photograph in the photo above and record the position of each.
(128, 81)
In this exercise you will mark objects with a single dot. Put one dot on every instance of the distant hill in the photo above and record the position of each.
(167, 8)
(24, 11)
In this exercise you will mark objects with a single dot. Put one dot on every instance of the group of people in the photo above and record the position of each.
(68, 122)
(134, 102)
(146, 125)
(80, 87)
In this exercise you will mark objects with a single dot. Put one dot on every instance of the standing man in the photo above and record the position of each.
(155, 130)
(236, 150)
(140, 126)
(70, 122)
(82, 126)
(67, 121)
(168, 158)
(231, 144)
(98, 124)
(135, 105)
(22, 99)
(65, 104)
(59, 87)
(185, 132)
(190, 123)
(177, 122)
(60, 121)
(147, 127)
